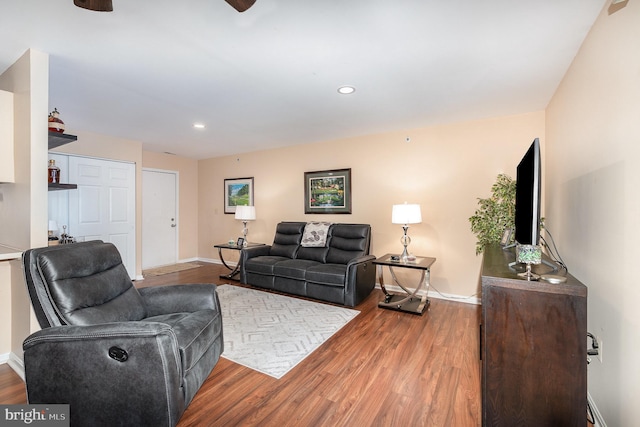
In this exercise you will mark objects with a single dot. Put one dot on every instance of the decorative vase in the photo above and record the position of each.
(54, 172)
(55, 124)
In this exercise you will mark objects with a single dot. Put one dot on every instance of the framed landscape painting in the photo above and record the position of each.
(237, 192)
(327, 192)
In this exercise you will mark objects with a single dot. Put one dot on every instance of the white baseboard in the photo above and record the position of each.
(438, 295)
(216, 261)
(14, 363)
(597, 416)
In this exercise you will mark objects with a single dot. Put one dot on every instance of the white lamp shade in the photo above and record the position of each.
(53, 226)
(246, 213)
(406, 214)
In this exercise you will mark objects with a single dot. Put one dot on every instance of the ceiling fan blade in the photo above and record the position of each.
(97, 5)
(241, 5)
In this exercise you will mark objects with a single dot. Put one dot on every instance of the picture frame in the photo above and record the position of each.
(506, 237)
(327, 192)
(240, 242)
(237, 192)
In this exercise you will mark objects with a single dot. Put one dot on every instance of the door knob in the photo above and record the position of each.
(173, 225)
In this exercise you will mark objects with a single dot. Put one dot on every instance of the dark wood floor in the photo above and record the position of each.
(382, 369)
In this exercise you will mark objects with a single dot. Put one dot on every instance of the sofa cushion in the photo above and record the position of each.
(195, 333)
(287, 239)
(348, 241)
(315, 234)
(313, 254)
(293, 268)
(327, 274)
(263, 264)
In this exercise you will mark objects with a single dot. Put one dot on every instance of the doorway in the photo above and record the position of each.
(159, 218)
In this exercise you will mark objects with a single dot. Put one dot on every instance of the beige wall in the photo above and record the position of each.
(23, 204)
(188, 197)
(593, 142)
(443, 168)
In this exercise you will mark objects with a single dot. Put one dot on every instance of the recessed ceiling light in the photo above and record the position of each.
(346, 90)
(198, 125)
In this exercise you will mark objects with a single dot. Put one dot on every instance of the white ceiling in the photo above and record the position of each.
(268, 77)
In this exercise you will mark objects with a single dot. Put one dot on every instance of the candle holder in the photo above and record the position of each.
(529, 255)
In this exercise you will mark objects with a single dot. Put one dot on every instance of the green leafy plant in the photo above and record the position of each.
(495, 214)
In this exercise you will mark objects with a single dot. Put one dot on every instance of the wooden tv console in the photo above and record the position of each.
(533, 347)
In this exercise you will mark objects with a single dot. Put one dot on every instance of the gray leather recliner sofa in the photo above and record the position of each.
(116, 354)
(340, 272)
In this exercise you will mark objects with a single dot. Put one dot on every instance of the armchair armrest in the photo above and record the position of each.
(179, 298)
(73, 365)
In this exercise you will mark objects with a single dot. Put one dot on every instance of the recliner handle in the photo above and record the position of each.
(116, 353)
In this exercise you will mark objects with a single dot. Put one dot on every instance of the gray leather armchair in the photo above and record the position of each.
(116, 354)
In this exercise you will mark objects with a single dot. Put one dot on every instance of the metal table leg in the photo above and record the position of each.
(234, 271)
(410, 301)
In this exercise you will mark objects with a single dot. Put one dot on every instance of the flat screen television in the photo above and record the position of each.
(528, 189)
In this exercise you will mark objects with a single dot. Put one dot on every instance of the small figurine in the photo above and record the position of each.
(55, 124)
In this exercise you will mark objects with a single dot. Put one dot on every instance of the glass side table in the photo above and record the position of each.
(409, 301)
(235, 271)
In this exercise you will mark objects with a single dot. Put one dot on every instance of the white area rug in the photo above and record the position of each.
(272, 333)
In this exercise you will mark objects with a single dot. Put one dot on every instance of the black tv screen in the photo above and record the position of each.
(528, 184)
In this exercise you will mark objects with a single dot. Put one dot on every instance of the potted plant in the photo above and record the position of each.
(496, 214)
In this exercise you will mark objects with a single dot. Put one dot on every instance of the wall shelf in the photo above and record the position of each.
(57, 139)
(57, 187)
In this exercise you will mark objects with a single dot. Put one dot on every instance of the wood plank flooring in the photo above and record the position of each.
(384, 368)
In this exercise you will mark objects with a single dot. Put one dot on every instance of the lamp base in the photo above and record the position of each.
(405, 240)
(245, 230)
(528, 274)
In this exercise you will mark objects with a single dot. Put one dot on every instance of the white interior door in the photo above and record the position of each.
(159, 218)
(103, 206)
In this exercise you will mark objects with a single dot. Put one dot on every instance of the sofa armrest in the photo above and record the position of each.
(360, 279)
(180, 298)
(254, 251)
(360, 260)
(248, 253)
(72, 365)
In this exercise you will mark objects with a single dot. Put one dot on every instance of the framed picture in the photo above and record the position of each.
(240, 242)
(237, 192)
(327, 192)
(506, 237)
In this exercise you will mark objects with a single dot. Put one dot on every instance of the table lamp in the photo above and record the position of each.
(406, 214)
(244, 214)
